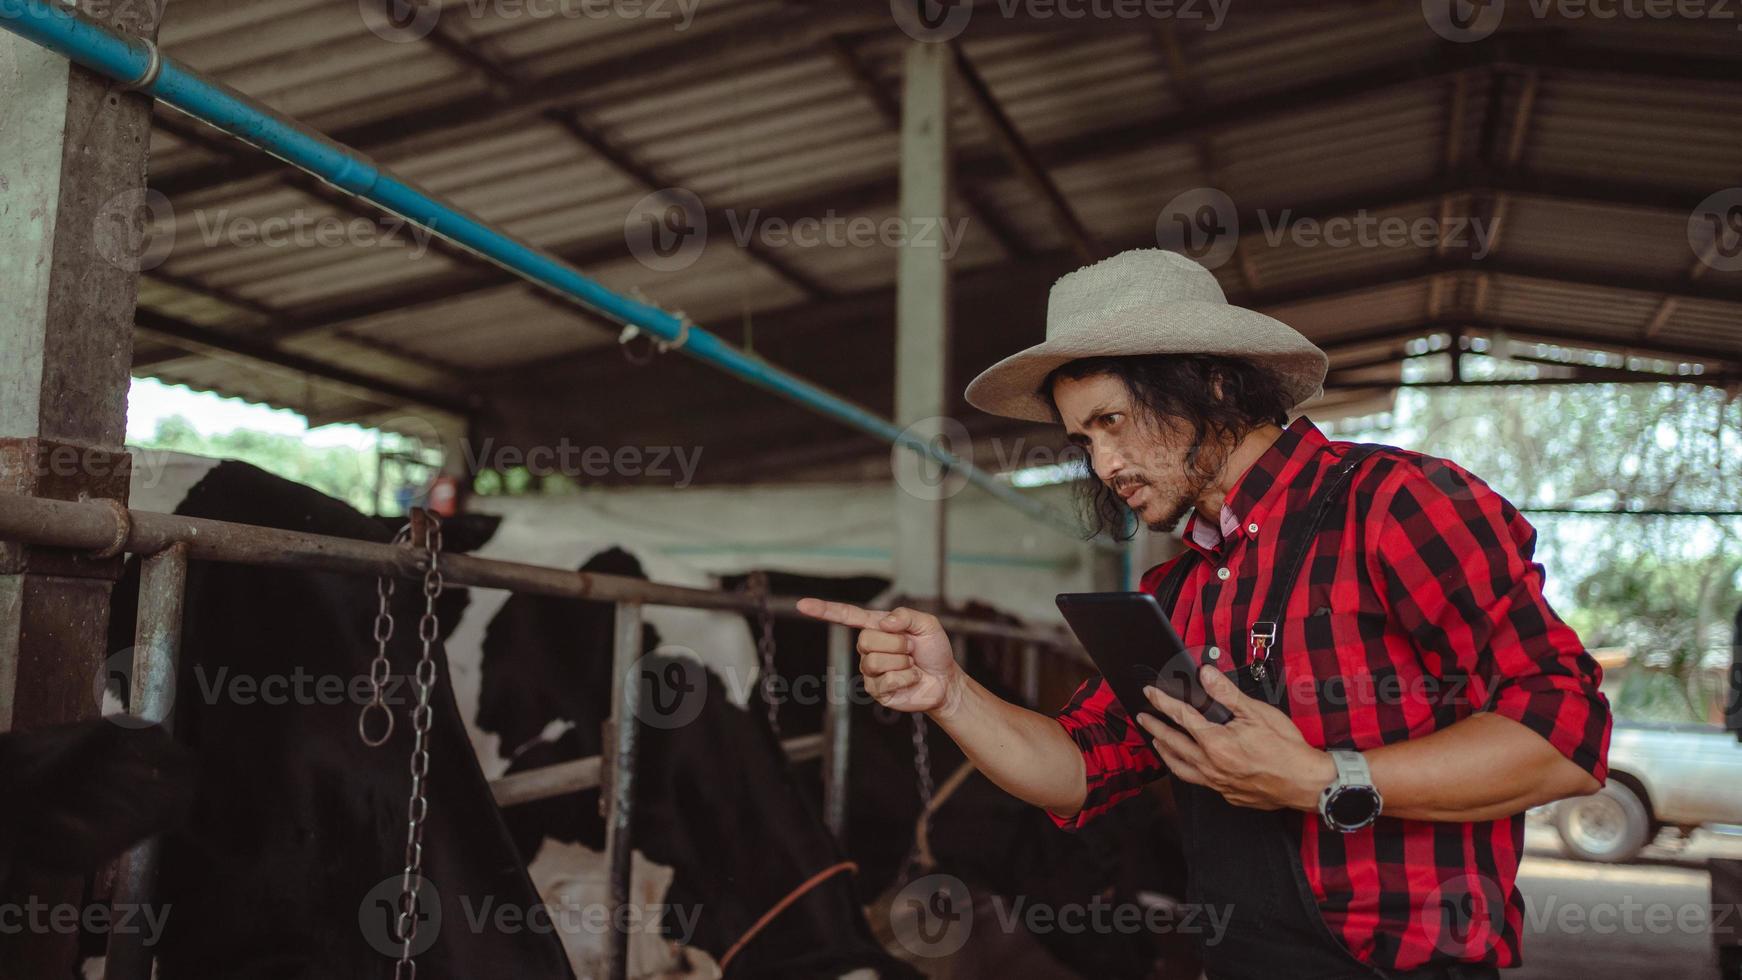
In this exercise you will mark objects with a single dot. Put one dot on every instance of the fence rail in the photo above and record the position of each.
(167, 542)
(93, 525)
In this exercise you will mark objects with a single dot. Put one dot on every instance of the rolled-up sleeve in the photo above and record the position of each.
(1456, 560)
(1116, 752)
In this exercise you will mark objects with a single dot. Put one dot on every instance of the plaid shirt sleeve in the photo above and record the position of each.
(1456, 568)
(1116, 754)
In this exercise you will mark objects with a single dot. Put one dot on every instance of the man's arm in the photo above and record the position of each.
(909, 665)
(1454, 562)
(1485, 767)
(1026, 753)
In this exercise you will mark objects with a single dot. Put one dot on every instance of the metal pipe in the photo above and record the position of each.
(156, 654)
(577, 775)
(837, 731)
(129, 61)
(619, 797)
(91, 525)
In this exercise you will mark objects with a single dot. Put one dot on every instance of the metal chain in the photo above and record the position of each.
(417, 809)
(922, 769)
(379, 668)
(422, 715)
(757, 583)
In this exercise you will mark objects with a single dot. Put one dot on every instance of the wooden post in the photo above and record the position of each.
(72, 200)
(922, 324)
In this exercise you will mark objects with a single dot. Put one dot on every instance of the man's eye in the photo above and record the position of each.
(1111, 417)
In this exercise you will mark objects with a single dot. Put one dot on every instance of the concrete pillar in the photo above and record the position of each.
(72, 205)
(922, 324)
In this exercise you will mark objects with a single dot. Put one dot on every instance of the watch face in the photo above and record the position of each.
(1352, 806)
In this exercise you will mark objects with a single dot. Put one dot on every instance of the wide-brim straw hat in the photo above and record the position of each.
(1145, 301)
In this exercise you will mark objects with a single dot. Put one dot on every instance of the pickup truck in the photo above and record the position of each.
(1660, 775)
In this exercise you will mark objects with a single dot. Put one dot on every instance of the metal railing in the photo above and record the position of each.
(166, 543)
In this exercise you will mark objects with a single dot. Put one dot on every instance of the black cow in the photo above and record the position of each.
(982, 835)
(715, 798)
(77, 796)
(287, 866)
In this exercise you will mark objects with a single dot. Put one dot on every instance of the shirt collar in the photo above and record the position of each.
(1255, 494)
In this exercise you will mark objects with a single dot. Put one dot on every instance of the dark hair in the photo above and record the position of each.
(1175, 389)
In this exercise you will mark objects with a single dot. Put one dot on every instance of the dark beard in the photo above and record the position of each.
(1171, 521)
(1199, 482)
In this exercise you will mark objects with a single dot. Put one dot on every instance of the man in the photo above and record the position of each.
(1362, 814)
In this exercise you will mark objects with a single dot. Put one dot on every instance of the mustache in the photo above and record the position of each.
(1127, 483)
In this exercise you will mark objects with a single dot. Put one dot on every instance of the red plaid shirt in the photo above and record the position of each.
(1428, 609)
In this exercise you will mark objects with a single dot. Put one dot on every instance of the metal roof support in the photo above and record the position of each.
(922, 321)
(138, 64)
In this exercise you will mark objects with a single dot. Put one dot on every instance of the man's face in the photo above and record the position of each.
(1143, 465)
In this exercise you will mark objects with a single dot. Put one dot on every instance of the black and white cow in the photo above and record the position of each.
(297, 823)
(288, 864)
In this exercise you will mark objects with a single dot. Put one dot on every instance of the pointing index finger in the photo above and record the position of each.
(844, 613)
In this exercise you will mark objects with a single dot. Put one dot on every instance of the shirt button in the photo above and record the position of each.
(1251, 529)
(1215, 653)
(1223, 573)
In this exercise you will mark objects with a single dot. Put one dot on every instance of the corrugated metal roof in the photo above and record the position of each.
(1588, 144)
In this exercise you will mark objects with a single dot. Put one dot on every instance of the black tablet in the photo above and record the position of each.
(1129, 638)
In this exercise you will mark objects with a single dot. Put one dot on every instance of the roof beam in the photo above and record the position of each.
(1020, 156)
(204, 340)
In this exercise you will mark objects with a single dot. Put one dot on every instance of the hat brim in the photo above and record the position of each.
(1011, 387)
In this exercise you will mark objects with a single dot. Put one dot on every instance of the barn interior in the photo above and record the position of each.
(863, 205)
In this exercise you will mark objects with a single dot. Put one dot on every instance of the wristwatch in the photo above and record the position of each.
(1350, 802)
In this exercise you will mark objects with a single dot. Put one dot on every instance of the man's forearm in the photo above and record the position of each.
(1485, 767)
(1024, 752)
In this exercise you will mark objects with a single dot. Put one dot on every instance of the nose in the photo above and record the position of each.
(1108, 463)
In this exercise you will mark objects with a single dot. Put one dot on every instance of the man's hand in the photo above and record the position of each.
(904, 654)
(1257, 760)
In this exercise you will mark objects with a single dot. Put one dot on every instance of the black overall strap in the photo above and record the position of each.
(1261, 662)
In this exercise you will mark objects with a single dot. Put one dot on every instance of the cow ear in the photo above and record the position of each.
(94, 789)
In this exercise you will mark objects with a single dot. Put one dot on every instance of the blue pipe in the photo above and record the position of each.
(128, 60)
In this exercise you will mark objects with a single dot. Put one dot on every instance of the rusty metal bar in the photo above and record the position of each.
(837, 731)
(619, 795)
(93, 525)
(584, 774)
(156, 654)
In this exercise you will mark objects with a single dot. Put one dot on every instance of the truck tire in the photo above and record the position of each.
(1610, 826)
